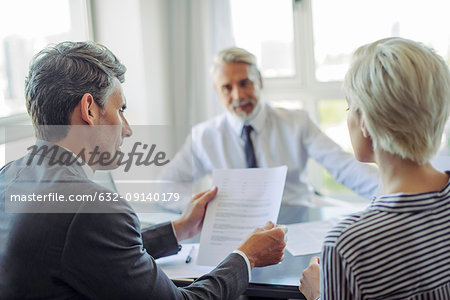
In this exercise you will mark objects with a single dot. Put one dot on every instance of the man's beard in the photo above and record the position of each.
(244, 117)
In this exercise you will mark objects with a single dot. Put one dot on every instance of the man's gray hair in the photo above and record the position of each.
(60, 75)
(402, 89)
(234, 55)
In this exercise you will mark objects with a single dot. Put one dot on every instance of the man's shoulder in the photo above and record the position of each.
(26, 168)
(66, 181)
(287, 114)
(292, 120)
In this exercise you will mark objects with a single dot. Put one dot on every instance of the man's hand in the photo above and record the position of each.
(191, 221)
(265, 246)
(310, 281)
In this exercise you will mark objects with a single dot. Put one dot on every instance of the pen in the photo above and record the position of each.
(189, 257)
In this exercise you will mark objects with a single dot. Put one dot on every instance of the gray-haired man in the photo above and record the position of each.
(252, 133)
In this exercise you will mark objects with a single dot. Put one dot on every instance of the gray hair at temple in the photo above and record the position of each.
(402, 90)
(235, 55)
(60, 75)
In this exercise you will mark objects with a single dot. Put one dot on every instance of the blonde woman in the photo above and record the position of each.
(398, 93)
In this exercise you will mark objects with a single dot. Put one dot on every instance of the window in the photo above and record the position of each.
(27, 26)
(318, 38)
(352, 23)
(270, 39)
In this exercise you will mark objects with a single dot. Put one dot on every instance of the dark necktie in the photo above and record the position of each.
(248, 147)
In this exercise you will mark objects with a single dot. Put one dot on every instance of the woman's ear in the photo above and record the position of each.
(364, 129)
(89, 109)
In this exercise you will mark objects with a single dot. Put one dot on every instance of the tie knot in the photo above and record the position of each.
(247, 129)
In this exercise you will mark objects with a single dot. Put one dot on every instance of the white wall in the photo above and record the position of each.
(136, 31)
(167, 46)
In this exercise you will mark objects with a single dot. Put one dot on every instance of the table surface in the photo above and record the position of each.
(282, 280)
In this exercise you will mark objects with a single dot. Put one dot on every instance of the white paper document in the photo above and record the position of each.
(247, 199)
(307, 238)
(175, 266)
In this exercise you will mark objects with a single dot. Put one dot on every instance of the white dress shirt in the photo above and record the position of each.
(280, 137)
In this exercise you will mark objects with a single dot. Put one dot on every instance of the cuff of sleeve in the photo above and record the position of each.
(176, 238)
(174, 232)
(246, 261)
(159, 240)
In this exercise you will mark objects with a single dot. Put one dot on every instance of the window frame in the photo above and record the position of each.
(76, 7)
(304, 85)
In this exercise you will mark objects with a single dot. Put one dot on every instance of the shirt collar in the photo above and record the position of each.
(260, 119)
(257, 123)
(402, 202)
(86, 168)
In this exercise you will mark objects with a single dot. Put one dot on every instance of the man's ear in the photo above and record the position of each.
(89, 109)
(260, 80)
(215, 85)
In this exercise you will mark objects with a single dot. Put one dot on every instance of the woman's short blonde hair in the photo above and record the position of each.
(402, 90)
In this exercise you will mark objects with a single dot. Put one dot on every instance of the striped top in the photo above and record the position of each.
(398, 248)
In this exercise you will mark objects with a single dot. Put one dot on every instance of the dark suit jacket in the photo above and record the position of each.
(80, 254)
